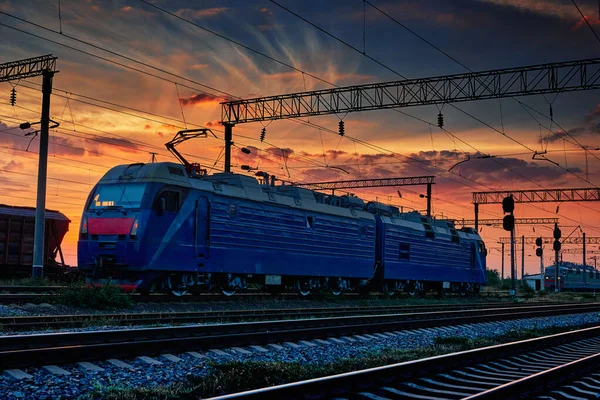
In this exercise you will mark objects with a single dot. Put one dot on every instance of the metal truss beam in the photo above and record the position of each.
(519, 221)
(538, 196)
(550, 240)
(579, 251)
(27, 68)
(509, 82)
(368, 183)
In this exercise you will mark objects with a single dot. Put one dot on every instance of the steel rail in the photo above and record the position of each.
(10, 298)
(473, 366)
(16, 323)
(34, 350)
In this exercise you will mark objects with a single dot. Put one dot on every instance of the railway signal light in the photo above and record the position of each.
(556, 245)
(508, 204)
(508, 223)
(556, 232)
(539, 251)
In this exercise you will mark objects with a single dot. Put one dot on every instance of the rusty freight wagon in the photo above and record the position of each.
(17, 226)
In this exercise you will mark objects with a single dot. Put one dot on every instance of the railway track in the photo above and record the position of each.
(35, 350)
(18, 323)
(523, 369)
(16, 296)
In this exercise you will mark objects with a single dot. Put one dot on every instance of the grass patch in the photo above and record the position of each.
(236, 376)
(28, 282)
(106, 297)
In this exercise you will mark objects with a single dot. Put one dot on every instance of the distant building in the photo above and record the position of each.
(534, 281)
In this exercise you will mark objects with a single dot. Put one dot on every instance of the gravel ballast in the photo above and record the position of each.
(45, 385)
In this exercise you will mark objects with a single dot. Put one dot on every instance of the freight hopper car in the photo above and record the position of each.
(17, 226)
(572, 277)
(154, 227)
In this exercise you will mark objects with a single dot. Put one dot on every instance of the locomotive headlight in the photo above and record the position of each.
(84, 227)
(134, 228)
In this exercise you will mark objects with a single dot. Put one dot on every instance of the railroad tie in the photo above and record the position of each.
(16, 374)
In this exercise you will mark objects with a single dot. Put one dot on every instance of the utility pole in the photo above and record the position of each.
(16, 70)
(228, 144)
(584, 262)
(153, 154)
(523, 259)
(40, 210)
(502, 276)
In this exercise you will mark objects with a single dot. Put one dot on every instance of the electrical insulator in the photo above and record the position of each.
(341, 128)
(551, 114)
(441, 120)
(262, 134)
(13, 97)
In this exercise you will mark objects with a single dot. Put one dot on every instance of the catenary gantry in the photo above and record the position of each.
(518, 221)
(550, 240)
(534, 196)
(508, 82)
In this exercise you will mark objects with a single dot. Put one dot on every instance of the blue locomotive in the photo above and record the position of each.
(572, 277)
(175, 228)
(156, 227)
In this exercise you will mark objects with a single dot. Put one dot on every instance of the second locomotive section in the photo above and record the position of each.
(154, 227)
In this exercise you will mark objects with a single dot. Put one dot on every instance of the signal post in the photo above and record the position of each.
(508, 223)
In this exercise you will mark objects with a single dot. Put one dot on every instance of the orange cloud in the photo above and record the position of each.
(582, 22)
(213, 123)
(201, 98)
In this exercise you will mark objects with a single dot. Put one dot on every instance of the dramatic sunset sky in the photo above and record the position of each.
(124, 65)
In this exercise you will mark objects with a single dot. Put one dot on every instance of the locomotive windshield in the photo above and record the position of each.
(118, 195)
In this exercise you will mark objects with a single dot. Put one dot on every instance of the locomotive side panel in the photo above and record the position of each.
(261, 238)
(409, 251)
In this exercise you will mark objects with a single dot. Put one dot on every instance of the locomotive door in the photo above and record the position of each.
(202, 230)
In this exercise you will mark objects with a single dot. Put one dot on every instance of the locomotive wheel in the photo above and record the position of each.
(303, 286)
(176, 285)
(339, 286)
(390, 288)
(228, 291)
(232, 285)
(465, 289)
(414, 289)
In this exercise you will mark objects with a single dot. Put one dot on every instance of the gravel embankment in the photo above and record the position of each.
(48, 386)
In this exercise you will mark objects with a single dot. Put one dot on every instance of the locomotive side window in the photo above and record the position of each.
(404, 253)
(309, 222)
(171, 198)
(597, 275)
(429, 231)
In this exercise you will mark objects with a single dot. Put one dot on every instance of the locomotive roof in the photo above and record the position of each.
(18, 211)
(244, 186)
